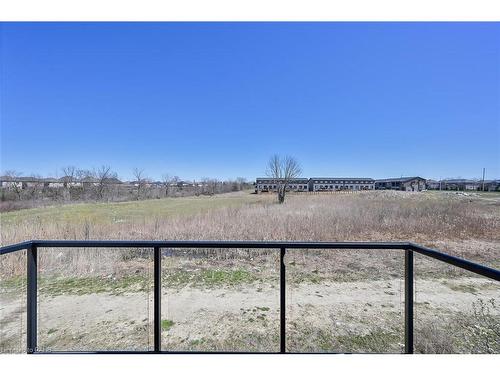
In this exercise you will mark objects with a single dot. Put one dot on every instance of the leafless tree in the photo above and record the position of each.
(69, 175)
(35, 186)
(175, 182)
(167, 180)
(80, 174)
(102, 176)
(85, 178)
(140, 181)
(15, 184)
(209, 185)
(213, 185)
(241, 182)
(281, 171)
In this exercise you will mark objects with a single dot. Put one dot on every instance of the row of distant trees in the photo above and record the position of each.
(102, 184)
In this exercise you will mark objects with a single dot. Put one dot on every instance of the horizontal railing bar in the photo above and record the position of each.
(224, 244)
(15, 247)
(152, 352)
(458, 262)
(193, 352)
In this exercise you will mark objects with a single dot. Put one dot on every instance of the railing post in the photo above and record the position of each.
(282, 301)
(157, 300)
(31, 299)
(408, 301)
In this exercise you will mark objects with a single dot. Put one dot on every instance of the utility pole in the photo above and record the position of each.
(484, 170)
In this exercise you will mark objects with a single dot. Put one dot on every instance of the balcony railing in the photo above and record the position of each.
(408, 248)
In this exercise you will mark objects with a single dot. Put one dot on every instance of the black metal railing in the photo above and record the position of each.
(408, 247)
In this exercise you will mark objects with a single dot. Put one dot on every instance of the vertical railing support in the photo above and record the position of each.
(409, 301)
(282, 301)
(31, 298)
(157, 299)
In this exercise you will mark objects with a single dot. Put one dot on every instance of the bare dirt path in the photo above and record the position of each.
(227, 317)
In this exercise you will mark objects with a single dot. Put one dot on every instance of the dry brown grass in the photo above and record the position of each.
(366, 216)
(461, 225)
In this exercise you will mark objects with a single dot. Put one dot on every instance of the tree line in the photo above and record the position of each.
(103, 184)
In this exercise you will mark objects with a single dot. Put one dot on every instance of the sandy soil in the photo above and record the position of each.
(237, 318)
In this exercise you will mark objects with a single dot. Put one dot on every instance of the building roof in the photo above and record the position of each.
(112, 180)
(460, 181)
(401, 179)
(88, 179)
(279, 179)
(343, 178)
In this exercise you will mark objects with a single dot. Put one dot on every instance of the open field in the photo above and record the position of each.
(125, 212)
(228, 300)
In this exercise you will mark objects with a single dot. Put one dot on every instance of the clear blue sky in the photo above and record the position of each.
(218, 99)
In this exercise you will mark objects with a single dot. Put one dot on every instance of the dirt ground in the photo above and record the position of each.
(320, 317)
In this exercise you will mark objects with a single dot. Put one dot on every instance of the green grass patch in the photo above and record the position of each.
(263, 308)
(377, 341)
(128, 212)
(55, 286)
(166, 324)
(464, 288)
(13, 283)
(206, 277)
(60, 285)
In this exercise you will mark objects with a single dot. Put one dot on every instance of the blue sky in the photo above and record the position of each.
(218, 99)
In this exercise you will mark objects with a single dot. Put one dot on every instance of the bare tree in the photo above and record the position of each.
(103, 175)
(80, 174)
(15, 184)
(167, 180)
(213, 185)
(175, 182)
(140, 180)
(35, 186)
(85, 178)
(241, 182)
(69, 175)
(282, 170)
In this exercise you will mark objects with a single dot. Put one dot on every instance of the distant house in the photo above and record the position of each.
(69, 181)
(51, 182)
(112, 181)
(433, 184)
(27, 182)
(472, 185)
(183, 184)
(89, 181)
(493, 185)
(461, 184)
(10, 183)
(403, 183)
(20, 182)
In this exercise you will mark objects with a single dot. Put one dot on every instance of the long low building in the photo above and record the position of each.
(462, 184)
(271, 184)
(315, 184)
(402, 183)
(340, 183)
